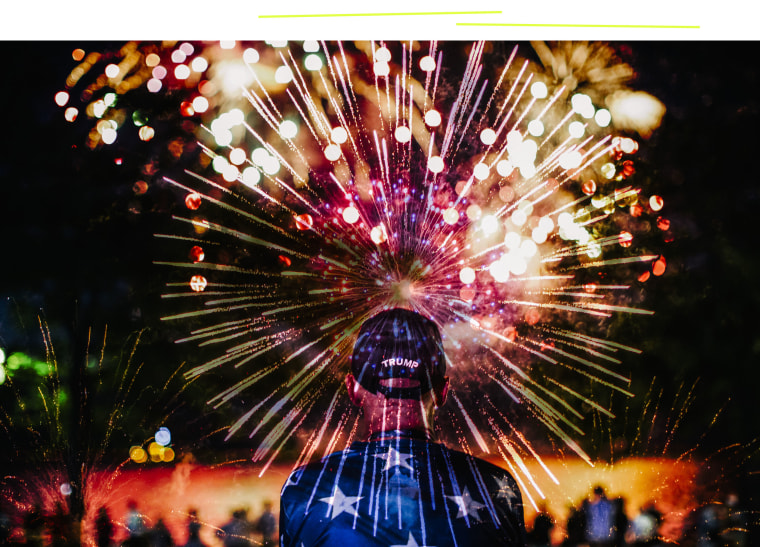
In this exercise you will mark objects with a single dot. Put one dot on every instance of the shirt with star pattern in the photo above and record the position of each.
(401, 492)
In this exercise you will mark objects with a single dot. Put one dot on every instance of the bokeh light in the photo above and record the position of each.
(138, 454)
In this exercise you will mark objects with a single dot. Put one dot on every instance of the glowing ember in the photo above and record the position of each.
(196, 253)
(198, 283)
(304, 222)
(193, 201)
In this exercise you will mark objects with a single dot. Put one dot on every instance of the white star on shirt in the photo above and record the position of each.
(411, 542)
(341, 503)
(467, 505)
(505, 491)
(394, 458)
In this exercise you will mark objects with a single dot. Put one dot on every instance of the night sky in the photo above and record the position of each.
(78, 245)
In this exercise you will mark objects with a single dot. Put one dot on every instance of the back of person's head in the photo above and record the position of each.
(399, 353)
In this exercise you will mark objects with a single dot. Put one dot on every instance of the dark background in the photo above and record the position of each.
(78, 246)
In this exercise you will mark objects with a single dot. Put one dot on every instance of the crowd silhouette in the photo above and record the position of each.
(597, 521)
(603, 522)
(36, 528)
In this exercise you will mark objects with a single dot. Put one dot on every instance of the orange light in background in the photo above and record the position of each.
(669, 483)
(658, 268)
(656, 203)
(137, 454)
(200, 225)
(140, 187)
(77, 54)
(462, 186)
(154, 449)
(151, 60)
(532, 316)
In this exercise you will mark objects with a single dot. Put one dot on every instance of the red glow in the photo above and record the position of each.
(304, 222)
(658, 268)
(625, 239)
(663, 223)
(284, 260)
(140, 187)
(186, 108)
(589, 187)
(193, 201)
(670, 484)
(643, 277)
(636, 210)
(546, 345)
(196, 253)
(532, 316)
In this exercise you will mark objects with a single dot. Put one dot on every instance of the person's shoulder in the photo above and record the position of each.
(310, 472)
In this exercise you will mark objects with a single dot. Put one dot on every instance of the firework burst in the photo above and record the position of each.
(377, 176)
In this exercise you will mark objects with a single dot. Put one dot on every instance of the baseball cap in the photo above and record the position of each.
(399, 343)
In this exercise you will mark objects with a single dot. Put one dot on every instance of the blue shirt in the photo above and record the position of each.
(401, 492)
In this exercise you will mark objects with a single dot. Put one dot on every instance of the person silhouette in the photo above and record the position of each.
(398, 486)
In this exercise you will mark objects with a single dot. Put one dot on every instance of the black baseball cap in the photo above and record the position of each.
(399, 343)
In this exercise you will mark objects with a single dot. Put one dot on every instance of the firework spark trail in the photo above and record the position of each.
(393, 210)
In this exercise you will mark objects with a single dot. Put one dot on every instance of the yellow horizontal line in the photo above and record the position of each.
(575, 26)
(388, 14)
